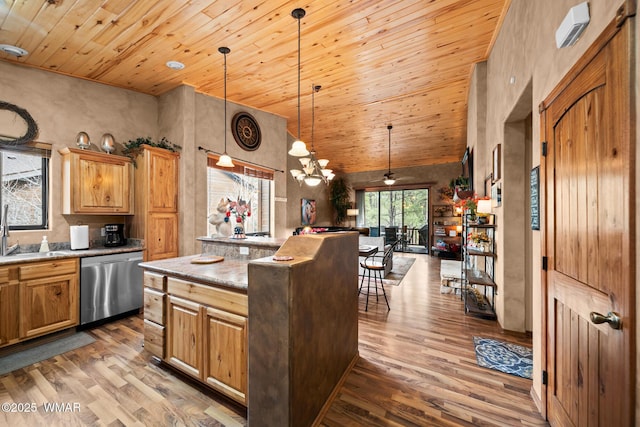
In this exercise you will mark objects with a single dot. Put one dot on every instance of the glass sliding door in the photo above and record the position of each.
(398, 215)
(415, 220)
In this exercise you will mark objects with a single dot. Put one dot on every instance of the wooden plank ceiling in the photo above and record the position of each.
(406, 63)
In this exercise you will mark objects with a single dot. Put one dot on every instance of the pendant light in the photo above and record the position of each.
(299, 148)
(388, 177)
(225, 160)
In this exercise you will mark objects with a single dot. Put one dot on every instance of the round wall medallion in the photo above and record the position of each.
(246, 131)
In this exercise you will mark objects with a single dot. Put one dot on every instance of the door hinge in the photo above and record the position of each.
(543, 147)
(545, 378)
(545, 263)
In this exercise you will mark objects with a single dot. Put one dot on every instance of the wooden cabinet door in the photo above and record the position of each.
(225, 359)
(163, 180)
(48, 304)
(96, 183)
(162, 236)
(103, 187)
(9, 313)
(184, 335)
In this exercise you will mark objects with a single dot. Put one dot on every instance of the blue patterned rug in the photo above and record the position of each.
(502, 356)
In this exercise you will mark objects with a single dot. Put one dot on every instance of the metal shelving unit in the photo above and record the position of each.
(478, 261)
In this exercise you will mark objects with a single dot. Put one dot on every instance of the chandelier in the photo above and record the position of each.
(314, 170)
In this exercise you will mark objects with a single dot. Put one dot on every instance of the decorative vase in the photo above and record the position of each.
(238, 230)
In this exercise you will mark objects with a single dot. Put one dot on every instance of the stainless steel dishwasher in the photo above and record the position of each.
(109, 285)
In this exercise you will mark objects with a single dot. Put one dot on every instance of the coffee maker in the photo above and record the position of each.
(114, 235)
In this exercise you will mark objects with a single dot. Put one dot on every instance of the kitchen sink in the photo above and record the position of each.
(29, 255)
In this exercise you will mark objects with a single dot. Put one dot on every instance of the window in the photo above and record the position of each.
(402, 210)
(245, 183)
(25, 178)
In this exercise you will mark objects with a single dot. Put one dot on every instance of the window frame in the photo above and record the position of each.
(44, 150)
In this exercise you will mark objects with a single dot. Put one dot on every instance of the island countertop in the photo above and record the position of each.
(258, 241)
(230, 273)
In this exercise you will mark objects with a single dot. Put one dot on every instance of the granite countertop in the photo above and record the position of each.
(231, 273)
(67, 253)
(271, 242)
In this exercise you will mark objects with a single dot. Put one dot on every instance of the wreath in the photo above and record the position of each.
(32, 126)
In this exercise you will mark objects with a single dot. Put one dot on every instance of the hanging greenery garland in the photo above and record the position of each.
(32, 126)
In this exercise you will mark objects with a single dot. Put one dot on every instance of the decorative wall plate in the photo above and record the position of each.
(246, 131)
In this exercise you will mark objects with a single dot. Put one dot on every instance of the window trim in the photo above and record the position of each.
(44, 150)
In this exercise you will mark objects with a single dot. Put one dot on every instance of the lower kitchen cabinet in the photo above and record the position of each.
(155, 286)
(206, 335)
(49, 305)
(184, 335)
(9, 313)
(37, 298)
(225, 361)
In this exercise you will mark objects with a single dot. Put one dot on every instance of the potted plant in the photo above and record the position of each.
(339, 192)
(133, 148)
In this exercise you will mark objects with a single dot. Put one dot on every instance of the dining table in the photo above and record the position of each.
(367, 250)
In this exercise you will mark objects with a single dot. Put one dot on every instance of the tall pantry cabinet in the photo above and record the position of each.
(156, 202)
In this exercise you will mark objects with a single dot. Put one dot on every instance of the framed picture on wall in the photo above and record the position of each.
(497, 160)
(308, 213)
(535, 198)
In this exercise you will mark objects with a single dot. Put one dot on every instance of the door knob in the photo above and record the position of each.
(611, 318)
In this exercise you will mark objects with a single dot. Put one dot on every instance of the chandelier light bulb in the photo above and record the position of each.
(312, 181)
(299, 149)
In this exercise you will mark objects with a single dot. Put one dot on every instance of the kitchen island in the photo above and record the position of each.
(277, 336)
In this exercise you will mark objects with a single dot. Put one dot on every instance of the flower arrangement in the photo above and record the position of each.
(240, 209)
(470, 205)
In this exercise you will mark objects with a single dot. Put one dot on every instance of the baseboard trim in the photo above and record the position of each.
(325, 408)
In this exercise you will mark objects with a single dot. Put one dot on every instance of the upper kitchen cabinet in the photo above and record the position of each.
(156, 200)
(96, 183)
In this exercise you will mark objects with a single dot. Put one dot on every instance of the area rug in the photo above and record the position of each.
(42, 352)
(401, 266)
(505, 357)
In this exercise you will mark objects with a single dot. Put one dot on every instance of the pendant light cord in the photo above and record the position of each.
(225, 102)
(389, 127)
(313, 113)
(299, 19)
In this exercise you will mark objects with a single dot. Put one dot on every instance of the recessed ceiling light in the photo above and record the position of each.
(13, 50)
(175, 65)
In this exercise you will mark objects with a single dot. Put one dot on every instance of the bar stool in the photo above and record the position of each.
(376, 263)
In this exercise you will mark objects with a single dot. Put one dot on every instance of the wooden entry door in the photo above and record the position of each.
(589, 237)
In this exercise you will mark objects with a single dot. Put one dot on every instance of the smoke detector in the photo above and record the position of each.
(175, 65)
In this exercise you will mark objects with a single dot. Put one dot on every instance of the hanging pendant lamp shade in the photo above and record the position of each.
(388, 177)
(298, 148)
(225, 160)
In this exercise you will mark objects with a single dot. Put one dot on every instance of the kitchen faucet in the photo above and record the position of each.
(4, 230)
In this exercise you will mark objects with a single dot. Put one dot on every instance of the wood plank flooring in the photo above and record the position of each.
(417, 368)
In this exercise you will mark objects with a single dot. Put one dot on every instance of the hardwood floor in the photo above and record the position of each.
(417, 368)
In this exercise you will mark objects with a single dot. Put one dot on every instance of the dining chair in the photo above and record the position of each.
(390, 235)
(376, 263)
